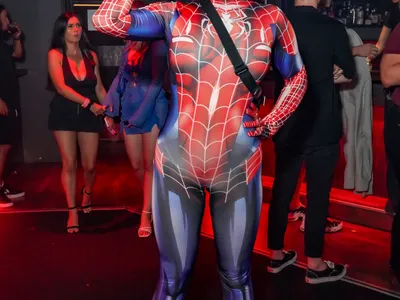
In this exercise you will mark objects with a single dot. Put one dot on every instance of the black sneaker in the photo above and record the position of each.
(296, 214)
(275, 266)
(4, 201)
(330, 227)
(331, 274)
(11, 193)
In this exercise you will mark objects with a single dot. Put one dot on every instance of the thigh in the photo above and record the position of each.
(88, 145)
(288, 166)
(320, 167)
(133, 147)
(149, 145)
(66, 141)
(177, 212)
(235, 214)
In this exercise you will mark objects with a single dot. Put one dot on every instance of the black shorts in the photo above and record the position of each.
(7, 130)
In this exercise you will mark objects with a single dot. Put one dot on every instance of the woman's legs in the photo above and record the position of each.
(88, 144)
(66, 141)
(149, 146)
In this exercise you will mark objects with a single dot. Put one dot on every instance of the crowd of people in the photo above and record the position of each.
(205, 137)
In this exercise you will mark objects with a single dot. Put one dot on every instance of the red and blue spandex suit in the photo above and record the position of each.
(207, 142)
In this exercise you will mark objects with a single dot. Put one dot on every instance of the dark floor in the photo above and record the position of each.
(365, 249)
(109, 261)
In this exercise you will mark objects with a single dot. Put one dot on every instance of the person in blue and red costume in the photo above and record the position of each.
(137, 94)
(210, 141)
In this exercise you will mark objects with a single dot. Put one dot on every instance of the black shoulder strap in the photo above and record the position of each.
(241, 68)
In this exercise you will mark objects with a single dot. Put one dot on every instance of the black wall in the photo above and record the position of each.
(36, 19)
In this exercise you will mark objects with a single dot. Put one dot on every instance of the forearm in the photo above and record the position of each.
(101, 94)
(288, 101)
(71, 94)
(342, 79)
(383, 37)
(18, 51)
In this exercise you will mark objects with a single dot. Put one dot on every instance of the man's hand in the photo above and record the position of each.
(367, 50)
(3, 108)
(260, 125)
(337, 72)
(18, 33)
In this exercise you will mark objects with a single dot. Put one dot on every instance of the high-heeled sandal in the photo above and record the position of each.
(87, 209)
(73, 226)
(146, 231)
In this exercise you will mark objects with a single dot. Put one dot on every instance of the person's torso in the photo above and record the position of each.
(9, 86)
(211, 99)
(85, 87)
(318, 118)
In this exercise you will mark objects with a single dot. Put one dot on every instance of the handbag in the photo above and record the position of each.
(241, 69)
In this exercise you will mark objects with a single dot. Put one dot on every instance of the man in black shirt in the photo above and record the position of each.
(311, 135)
(9, 90)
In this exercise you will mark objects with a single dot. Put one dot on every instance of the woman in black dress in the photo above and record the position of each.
(76, 110)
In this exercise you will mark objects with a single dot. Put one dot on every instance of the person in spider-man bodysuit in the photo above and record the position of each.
(207, 142)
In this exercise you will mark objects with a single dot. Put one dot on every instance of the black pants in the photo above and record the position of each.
(320, 164)
(392, 185)
(392, 145)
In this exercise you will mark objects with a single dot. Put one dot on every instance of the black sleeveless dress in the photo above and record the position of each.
(66, 115)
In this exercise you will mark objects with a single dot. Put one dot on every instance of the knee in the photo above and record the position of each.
(148, 166)
(69, 165)
(235, 279)
(88, 168)
(136, 165)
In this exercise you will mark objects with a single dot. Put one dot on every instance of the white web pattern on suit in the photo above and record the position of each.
(245, 168)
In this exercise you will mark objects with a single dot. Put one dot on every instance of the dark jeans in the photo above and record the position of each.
(320, 163)
(392, 145)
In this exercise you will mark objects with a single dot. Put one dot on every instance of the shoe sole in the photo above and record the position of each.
(286, 264)
(296, 218)
(15, 196)
(337, 229)
(326, 279)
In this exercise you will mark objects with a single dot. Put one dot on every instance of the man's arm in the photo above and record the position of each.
(390, 64)
(290, 65)
(115, 18)
(343, 56)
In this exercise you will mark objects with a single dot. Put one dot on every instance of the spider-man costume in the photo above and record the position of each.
(204, 144)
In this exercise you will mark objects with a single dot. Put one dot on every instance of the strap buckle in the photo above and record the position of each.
(241, 69)
(258, 92)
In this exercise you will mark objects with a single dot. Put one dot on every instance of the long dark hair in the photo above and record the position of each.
(58, 41)
(58, 36)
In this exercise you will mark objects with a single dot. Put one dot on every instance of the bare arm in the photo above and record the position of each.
(54, 62)
(17, 44)
(341, 79)
(18, 51)
(100, 90)
(383, 37)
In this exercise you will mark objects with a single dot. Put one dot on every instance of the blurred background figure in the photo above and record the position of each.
(9, 91)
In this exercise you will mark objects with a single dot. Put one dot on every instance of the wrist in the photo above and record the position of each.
(86, 103)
